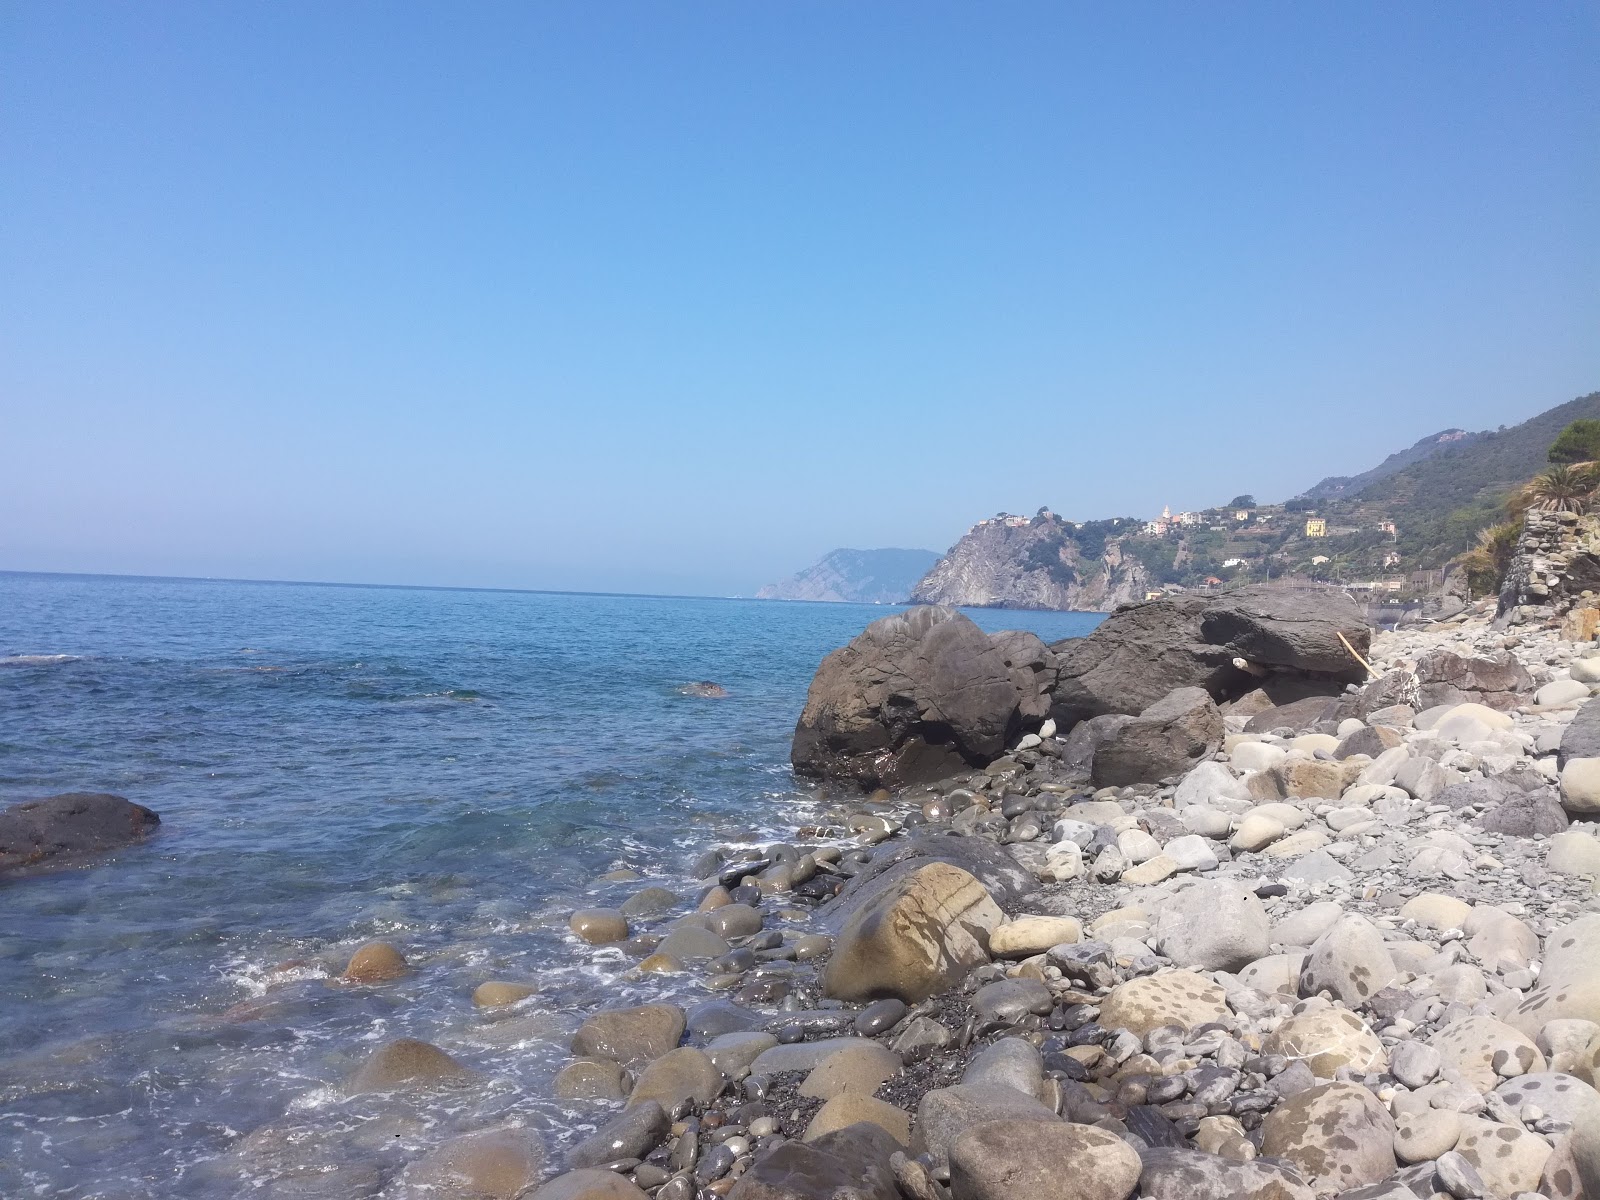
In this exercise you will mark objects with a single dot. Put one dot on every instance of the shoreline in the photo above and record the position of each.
(1148, 1090)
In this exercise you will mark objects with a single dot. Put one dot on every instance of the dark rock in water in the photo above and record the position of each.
(849, 1164)
(1497, 680)
(1007, 880)
(409, 1064)
(1171, 1173)
(705, 690)
(1167, 739)
(917, 696)
(1144, 651)
(711, 1018)
(1582, 737)
(638, 1130)
(75, 823)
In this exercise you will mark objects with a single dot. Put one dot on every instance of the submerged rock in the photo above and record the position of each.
(70, 825)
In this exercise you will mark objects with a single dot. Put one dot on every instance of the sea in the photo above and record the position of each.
(449, 770)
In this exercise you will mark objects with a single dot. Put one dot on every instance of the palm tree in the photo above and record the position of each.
(1487, 562)
(1567, 488)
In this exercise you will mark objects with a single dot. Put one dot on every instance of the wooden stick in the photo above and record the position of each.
(1353, 653)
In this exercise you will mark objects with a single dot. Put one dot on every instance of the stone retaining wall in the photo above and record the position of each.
(1555, 573)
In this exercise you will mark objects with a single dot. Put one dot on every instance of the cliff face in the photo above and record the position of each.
(856, 577)
(1015, 562)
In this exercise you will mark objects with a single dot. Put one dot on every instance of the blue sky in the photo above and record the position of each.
(678, 297)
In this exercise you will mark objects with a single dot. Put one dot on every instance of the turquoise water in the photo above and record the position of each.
(449, 770)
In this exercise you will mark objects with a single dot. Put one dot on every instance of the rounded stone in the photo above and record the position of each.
(1025, 936)
(736, 920)
(650, 902)
(589, 1184)
(498, 993)
(406, 1063)
(850, 1108)
(880, 1016)
(1326, 1040)
(1511, 1161)
(680, 1075)
(591, 1079)
(1485, 1051)
(496, 1164)
(1041, 1160)
(1338, 1135)
(860, 1068)
(1423, 1136)
(599, 926)
(1181, 998)
(1580, 786)
(376, 962)
(630, 1036)
(1436, 911)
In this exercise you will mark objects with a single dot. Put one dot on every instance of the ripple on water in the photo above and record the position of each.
(450, 771)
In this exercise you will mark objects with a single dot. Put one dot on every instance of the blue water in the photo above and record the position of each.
(448, 770)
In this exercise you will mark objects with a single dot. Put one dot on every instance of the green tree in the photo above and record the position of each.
(1569, 489)
(1245, 501)
(1578, 442)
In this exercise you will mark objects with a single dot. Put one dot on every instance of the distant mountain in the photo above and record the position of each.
(1335, 486)
(856, 577)
(1038, 562)
(1451, 490)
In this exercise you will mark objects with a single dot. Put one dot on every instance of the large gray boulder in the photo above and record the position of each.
(69, 826)
(1497, 680)
(917, 696)
(1582, 736)
(1166, 739)
(1212, 925)
(1144, 651)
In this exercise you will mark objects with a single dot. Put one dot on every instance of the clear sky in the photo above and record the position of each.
(677, 297)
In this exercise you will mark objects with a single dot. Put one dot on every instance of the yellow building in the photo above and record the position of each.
(1316, 527)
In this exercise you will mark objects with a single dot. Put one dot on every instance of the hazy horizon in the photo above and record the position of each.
(676, 301)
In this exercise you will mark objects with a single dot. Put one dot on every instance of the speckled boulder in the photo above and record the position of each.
(1326, 1040)
(1511, 1161)
(1338, 1135)
(1169, 1173)
(1181, 998)
(1485, 1051)
(1350, 962)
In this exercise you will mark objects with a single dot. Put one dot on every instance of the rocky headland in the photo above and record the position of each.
(1040, 562)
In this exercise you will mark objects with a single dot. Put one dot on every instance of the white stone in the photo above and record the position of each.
(1257, 756)
(1312, 742)
(1586, 670)
(1562, 691)
(1137, 846)
(1492, 717)
(1193, 853)
(1206, 821)
(1206, 783)
(1256, 832)
(1575, 853)
(1580, 785)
